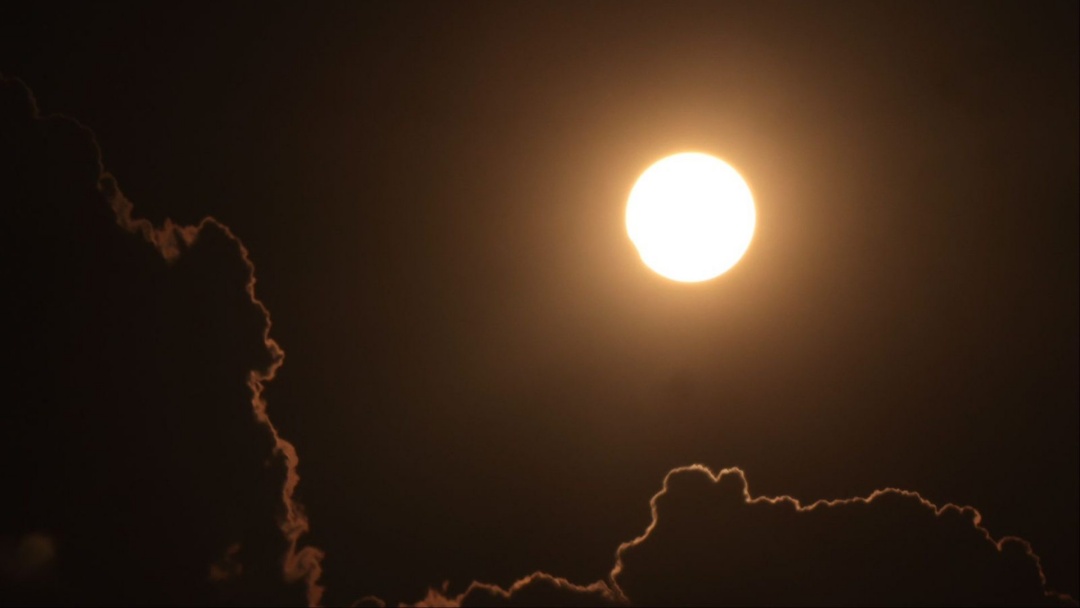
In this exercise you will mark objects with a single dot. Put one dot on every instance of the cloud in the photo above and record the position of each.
(300, 563)
(135, 428)
(228, 567)
(31, 557)
(537, 589)
(711, 543)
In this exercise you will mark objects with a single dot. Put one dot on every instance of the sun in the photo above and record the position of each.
(691, 217)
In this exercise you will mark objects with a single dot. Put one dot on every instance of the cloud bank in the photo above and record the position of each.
(711, 543)
(140, 443)
(537, 589)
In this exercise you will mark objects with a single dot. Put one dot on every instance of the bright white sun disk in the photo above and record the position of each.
(691, 217)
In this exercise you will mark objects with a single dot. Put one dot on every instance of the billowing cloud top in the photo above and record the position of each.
(711, 543)
(143, 465)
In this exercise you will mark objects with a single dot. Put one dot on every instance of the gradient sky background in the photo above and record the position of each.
(481, 379)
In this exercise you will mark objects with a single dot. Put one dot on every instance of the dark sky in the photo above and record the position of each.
(480, 378)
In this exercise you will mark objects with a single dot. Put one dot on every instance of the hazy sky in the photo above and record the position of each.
(479, 377)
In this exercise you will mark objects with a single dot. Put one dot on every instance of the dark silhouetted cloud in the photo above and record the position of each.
(537, 589)
(711, 544)
(146, 468)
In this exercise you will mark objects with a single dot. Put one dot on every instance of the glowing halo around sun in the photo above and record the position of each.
(691, 217)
